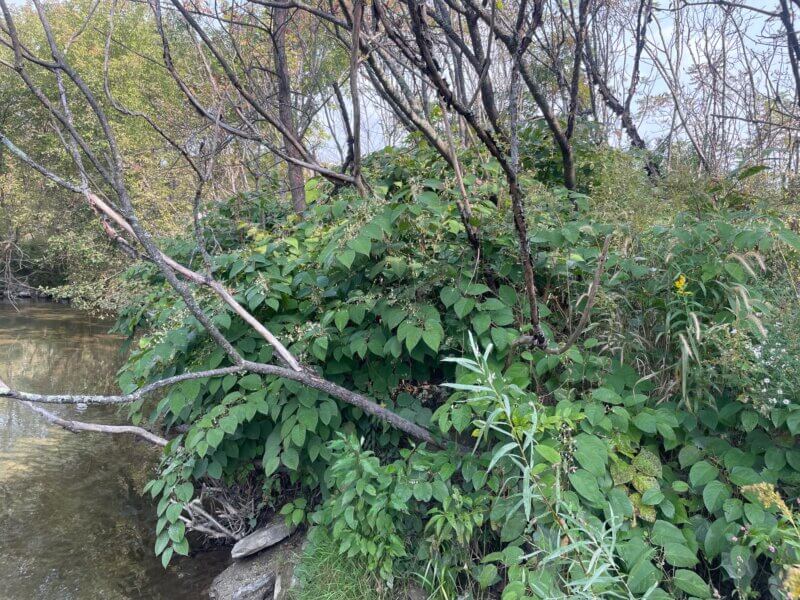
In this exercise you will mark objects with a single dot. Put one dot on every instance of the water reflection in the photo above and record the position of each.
(72, 522)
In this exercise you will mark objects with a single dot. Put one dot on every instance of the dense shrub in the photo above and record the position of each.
(618, 468)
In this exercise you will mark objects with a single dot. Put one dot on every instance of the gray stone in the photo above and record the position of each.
(257, 590)
(262, 576)
(269, 535)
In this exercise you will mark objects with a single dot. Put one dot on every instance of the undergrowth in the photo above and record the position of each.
(620, 466)
(323, 574)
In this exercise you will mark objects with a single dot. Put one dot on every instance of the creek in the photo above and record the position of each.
(73, 521)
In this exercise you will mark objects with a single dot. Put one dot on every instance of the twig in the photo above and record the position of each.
(7, 392)
(196, 507)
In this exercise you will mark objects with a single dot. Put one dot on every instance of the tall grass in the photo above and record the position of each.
(324, 574)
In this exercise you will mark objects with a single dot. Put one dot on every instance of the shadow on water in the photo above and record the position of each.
(73, 523)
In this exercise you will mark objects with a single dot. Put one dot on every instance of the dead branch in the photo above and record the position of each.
(78, 426)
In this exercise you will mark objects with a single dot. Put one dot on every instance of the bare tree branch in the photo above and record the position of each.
(77, 426)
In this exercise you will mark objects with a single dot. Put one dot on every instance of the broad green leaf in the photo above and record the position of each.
(652, 496)
(548, 453)
(665, 532)
(592, 453)
(327, 410)
(775, 458)
(423, 491)
(463, 307)
(413, 336)
(487, 576)
(732, 509)
(432, 339)
(606, 395)
(214, 470)
(619, 503)
(646, 422)
(166, 557)
(586, 485)
(161, 542)
(689, 455)
(346, 257)
(174, 512)
(298, 435)
(214, 437)
(702, 473)
(181, 547)
(403, 492)
(320, 348)
(449, 296)
(308, 418)
(749, 420)
(716, 541)
(177, 531)
(393, 317)
(250, 382)
(341, 318)
(228, 424)
(481, 322)
(643, 576)
(680, 486)
(513, 527)
(184, 491)
(290, 458)
(678, 555)
(793, 422)
(271, 465)
(691, 583)
(362, 245)
(714, 494)
(440, 490)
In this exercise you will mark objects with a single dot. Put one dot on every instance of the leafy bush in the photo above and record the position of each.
(366, 516)
(614, 468)
(371, 292)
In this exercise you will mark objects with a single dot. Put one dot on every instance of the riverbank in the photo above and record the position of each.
(20, 292)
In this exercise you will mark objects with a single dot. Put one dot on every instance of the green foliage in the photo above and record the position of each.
(670, 449)
(650, 459)
(369, 506)
(372, 293)
(614, 468)
(550, 520)
(69, 254)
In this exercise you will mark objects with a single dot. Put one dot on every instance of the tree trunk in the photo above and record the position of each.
(295, 180)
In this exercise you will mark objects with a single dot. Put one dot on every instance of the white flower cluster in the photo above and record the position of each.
(773, 359)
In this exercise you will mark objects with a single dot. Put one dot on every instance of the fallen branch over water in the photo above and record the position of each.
(306, 377)
(78, 426)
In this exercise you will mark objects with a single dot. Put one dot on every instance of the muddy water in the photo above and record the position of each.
(73, 523)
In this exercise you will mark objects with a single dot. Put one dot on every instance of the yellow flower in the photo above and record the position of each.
(680, 285)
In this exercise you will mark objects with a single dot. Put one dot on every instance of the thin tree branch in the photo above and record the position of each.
(76, 426)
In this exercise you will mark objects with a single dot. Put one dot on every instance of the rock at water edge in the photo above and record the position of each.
(263, 576)
(269, 535)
